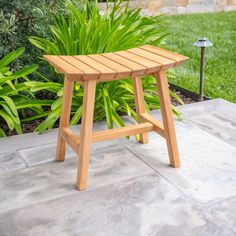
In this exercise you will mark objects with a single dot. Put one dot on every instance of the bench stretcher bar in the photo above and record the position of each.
(99, 136)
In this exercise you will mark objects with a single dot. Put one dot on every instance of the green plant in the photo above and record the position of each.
(86, 31)
(111, 98)
(19, 19)
(15, 95)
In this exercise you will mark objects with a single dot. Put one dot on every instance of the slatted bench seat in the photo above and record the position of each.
(91, 69)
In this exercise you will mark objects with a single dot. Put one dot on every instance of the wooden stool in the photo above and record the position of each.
(90, 69)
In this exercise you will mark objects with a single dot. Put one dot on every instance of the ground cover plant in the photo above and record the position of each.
(220, 71)
(15, 95)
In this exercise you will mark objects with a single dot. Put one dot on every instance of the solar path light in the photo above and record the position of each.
(203, 43)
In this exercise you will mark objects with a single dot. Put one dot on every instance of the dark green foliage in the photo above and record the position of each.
(19, 19)
(15, 95)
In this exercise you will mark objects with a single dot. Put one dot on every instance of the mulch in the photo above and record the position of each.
(30, 127)
(185, 99)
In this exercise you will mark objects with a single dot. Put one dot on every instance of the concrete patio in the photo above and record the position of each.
(132, 189)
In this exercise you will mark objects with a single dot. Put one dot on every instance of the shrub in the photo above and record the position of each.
(19, 19)
(15, 95)
(86, 31)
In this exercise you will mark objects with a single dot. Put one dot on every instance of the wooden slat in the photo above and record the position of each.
(151, 65)
(158, 127)
(121, 70)
(137, 69)
(63, 66)
(132, 62)
(117, 77)
(88, 71)
(165, 53)
(106, 72)
(165, 62)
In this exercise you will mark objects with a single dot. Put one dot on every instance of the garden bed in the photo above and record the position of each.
(30, 127)
(27, 79)
(26, 76)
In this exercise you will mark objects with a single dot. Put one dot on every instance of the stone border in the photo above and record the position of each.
(157, 7)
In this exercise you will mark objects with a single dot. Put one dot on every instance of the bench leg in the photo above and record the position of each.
(64, 118)
(167, 117)
(139, 104)
(86, 133)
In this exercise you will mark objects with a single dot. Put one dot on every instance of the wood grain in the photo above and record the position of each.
(137, 69)
(178, 58)
(157, 127)
(86, 133)
(165, 62)
(64, 118)
(139, 104)
(150, 65)
(168, 121)
(105, 135)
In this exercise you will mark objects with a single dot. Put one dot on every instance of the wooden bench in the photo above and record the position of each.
(90, 69)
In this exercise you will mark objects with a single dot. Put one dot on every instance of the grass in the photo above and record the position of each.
(220, 70)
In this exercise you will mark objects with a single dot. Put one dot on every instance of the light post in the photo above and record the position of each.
(203, 43)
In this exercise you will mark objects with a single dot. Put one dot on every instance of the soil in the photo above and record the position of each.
(185, 99)
(30, 127)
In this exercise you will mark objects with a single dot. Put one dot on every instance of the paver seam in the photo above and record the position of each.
(204, 206)
(210, 211)
(195, 124)
(189, 196)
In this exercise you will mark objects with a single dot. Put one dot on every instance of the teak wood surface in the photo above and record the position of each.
(91, 69)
